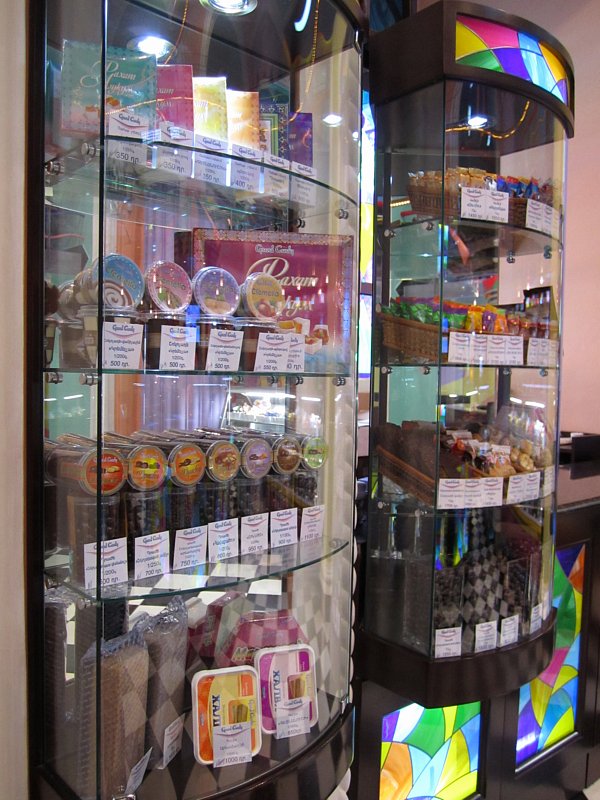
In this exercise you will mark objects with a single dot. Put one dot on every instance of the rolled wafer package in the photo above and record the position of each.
(165, 635)
(123, 664)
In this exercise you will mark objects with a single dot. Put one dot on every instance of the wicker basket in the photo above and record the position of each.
(429, 204)
(411, 338)
(406, 477)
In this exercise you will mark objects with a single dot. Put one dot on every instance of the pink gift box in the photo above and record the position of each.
(256, 630)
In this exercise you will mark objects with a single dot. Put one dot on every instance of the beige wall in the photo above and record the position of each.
(576, 24)
(13, 783)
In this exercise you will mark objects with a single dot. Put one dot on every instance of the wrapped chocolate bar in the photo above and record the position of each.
(123, 687)
(166, 638)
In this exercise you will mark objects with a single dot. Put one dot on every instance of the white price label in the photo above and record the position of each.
(136, 776)
(127, 153)
(175, 162)
(552, 353)
(292, 718)
(486, 636)
(509, 630)
(534, 357)
(473, 493)
(491, 491)
(296, 353)
(473, 203)
(113, 563)
(547, 219)
(224, 350)
(536, 618)
(556, 224)
(223, 539)
(303, 192)
(177, 348)
(244, 151)
(276, 161)
(151, 555)
(174, 134)
(478, 348)
(172, 741)
(284, 527)
(121, 345)
(210, 169)
(514, 350)
(549, 479)
(210, 143)
(532, 485)
(232, 744)
(451, 493)
(497, 206)
(311, 525)
(276, 184)
(534, 217)
(190, 547)
(254, 534)
(496, 349)
(126, 122)
(544, 352)
(459, 346)
(517, 489)
(245, 176)
(272, 352)
(448, 642)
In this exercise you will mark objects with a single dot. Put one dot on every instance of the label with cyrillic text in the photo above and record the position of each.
(272, 352)
(121, 345)
(292, 718)
(509, 630)
(113, 563)
(451, 493)
(311, 525)
(177, 348)
(254, 535)
(151, 555)
(448, 642)
(486, 636)
(223, 539)
(224, 350)
(284, 527)
(232, 744)
(190, 547)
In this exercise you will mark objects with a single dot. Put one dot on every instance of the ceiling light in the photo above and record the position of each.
(152, 46)
(333, 120)
(238, 7)
(477, 121)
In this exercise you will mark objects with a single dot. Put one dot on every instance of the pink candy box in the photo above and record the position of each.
(256, 630)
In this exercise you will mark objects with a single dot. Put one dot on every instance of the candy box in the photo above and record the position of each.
(287, 687)
(254, 631)
(203, 626)
(226, 700)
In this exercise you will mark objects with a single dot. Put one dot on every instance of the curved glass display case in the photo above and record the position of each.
(193, 405)
(470, 154)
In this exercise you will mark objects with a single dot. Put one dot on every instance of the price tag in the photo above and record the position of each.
(532, 485)
(509, 630)
(556, 224)
(276, 184)
(151, 555)
(292, 718)
(473, 496)
(448, 642)
(210, 143)
(544, 352)
(136, 776)
(223, 540)
(224, 350)
(547, 219)
(303, 192)
(284, 527)
(497, 206)
(245, 176)
(232, 744)
(473, 204)
(311, 525)
(175, 162)
(296, 353)
(190, 547)
(244, 151)
(272, 160)
(516, 489)
(174, 134)
(491, 491)
(172, 741)
(127, 152)
(496, 349)
(486, 635)
(549, 480)
(536, 618)
(113, 562)
(125, 122)
(272, 352)
(210, 169)
(177, 348)
(534, 217)
(459, 346)
(533, 353)
(478, 345)
(451, 493)
(254, 534)
(514, 350)
(122, 345)
(552, 353)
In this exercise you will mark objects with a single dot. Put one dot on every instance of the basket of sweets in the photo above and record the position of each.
(411, 326)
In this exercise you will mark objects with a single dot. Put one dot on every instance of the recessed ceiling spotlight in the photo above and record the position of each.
(237, 7)
(333, 120)
(152, 46)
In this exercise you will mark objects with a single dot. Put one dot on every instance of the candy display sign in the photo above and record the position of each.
(315, 273)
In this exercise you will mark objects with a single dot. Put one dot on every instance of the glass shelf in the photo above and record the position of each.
(214, 577)
(391, 365)
(95, 373)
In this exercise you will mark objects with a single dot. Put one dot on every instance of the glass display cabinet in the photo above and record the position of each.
(472, 114)
(192, 294)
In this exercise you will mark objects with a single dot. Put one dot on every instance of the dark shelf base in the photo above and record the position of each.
(453, 681)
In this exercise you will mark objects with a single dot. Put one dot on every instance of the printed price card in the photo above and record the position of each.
(127, 152)
(190, 547)
(509, 630)
(284, 527)
(224, 350)
(232, 744)
(296, 353)
(534, 218)
(536, 618)
(223, 540)
(175, 162)
(451, 493)
(276, 184)
(151, 555)
(172, 741)
(491, 491)
(272, 352)
(254, 534)
(514, 350)
(473, 204)
(292, 718)
(486, 635)
(516, 489)
(497, 206)
(496, 349)
(448, 642)
(177, 348)
(113, 562)
(121, 345)
(459, 346)
(311, 525)
(245, 176)
(210, 169)
(478, 348)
